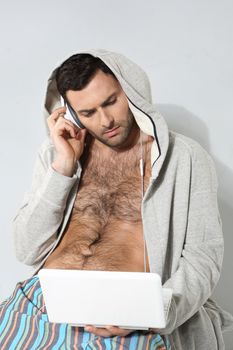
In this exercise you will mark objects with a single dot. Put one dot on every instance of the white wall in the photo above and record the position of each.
(184, 46)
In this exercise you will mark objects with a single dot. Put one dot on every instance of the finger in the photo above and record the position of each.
(60, 110)
(52, 119)
(61, 119)
(56, 113)
(113, 328)
(81, 134)
(119, 331)
(58, 120)
(103, 332)
(61, 122)
(60, 128)
(154, 330)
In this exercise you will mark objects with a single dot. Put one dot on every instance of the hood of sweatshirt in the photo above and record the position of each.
(136, 85)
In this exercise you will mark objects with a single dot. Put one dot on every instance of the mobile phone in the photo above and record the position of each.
(71, 114)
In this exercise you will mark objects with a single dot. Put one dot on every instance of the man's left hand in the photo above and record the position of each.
(108, 331)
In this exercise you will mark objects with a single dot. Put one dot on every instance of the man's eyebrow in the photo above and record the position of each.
(102, 104)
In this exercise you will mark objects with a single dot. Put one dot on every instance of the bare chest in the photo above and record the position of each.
(105, 227)
(110, 194)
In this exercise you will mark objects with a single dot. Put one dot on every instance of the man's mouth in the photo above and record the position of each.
(112, 132)
(111, 129)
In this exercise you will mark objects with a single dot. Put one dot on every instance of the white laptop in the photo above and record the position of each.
(131, 300)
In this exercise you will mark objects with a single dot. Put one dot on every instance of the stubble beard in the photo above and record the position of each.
(118, 141)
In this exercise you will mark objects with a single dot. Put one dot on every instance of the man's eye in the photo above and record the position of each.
(108, 103)
(111, 102)
(88, 114)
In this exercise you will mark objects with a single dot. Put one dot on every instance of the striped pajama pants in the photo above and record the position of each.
(24, 327)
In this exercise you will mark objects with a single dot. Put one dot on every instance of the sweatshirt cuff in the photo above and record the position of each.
(169, 311)
(167, 297)
(56, 187)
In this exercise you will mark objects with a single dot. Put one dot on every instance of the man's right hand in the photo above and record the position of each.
(68, 140)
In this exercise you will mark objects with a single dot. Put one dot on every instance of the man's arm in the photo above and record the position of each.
(42, 209)
(55, 172)
(200, 263)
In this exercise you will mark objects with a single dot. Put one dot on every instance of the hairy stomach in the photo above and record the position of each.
(117, 250)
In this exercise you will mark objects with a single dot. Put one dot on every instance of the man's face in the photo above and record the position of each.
(102, 106)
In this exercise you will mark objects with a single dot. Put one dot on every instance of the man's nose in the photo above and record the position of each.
(106, 120)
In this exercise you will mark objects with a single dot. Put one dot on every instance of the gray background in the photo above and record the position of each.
(184, 46)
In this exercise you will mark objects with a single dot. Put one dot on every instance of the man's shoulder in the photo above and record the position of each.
(191, 153)
(185, 145)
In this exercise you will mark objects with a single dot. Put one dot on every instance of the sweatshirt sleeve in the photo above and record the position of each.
(201, 260)
(41, 212)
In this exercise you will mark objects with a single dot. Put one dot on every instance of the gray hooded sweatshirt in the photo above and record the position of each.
(180, 215)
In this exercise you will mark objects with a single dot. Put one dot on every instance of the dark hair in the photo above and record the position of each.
(76, 72)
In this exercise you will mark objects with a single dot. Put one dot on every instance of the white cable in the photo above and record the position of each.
(141, 165)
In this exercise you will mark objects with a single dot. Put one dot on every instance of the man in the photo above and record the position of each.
(100, 193)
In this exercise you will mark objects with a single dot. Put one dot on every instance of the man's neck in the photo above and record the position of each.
(110, 157)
